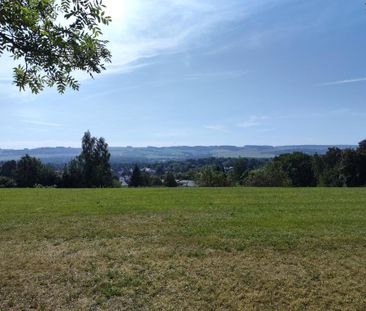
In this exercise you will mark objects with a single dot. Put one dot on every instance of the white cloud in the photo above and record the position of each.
(42, 123)
(340, 82)
(143, 29)
(216, 127)
(253, 121)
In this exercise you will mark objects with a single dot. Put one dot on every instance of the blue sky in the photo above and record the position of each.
(213, 72)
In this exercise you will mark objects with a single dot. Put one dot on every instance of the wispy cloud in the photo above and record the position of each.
(216, 127)
(340, 82)
(253, 121)
(217, 75)
(41, 123)
(144, 29)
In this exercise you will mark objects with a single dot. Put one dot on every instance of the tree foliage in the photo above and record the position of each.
(52, 39)
(270, 175)
(91, 168)
(170, 180)
(31, 172)
(212, 177)
(239, 171)
(6, 182)
(298, 167)
(136, 179)
(8, 169)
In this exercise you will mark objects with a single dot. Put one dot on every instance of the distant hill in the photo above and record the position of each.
(60, 155)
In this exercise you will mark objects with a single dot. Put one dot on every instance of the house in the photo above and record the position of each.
(186, 183)
(124, 181)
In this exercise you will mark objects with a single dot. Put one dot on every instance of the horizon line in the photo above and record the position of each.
(187, 146)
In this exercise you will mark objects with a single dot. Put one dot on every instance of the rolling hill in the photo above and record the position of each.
(60, 155)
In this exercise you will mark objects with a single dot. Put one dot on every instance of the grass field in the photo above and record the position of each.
(183, 249)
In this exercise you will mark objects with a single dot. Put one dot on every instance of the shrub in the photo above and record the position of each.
(271, 175)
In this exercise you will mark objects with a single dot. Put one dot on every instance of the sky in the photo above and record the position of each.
(209, 72)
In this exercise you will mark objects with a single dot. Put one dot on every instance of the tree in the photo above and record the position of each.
(270, 175)
(170, 180)
(91, 168)
(240, 168)
(6, 182)
(212, 177)
(73, 175)
(331, 174)
(87, 160)
(8, 169)
(103, 172)
(362, 146)
(298, 167)
(350, 168)
(30, 172)
(362, 154)
(156, 181)
(31, 31)
(135, 180)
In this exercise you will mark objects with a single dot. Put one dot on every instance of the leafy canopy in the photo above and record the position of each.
(52, 39)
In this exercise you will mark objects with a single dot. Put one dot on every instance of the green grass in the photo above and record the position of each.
(183, 249)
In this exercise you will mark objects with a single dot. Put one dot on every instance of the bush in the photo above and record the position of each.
(116, 183)
(271, 175)
(212, 177)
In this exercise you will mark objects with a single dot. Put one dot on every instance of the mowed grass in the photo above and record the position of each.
(183, 249)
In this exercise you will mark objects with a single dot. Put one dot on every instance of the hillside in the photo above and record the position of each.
(61, 155)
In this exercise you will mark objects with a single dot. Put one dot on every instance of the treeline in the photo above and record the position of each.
(27, 172)
(92, 168)
(337, 168)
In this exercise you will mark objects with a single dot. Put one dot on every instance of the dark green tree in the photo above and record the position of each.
(30, 172)
(6, 182)
(350, 168)
(136, 180)
(362, 146)
(156, 181)
(48, 50)
(101, 157)
(299, 168)
(331, 168)
(318, 166)
(270, 175)
(170, 181)
(73, 175)
(211, 177)
(91, 168)
(362, 154)
(87, 159)
(353, 166)
(8, 169)
(239, 171)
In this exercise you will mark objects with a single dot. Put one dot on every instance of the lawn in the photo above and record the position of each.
(183, 249)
